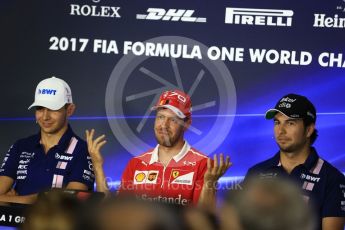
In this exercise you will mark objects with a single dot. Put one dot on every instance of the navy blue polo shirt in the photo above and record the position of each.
(34, 171)
(322, 184)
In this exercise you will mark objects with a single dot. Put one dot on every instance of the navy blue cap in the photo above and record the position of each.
(294, 106)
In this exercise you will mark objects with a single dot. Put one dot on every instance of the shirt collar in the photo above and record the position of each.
(274, 161)
(186, 147)
(63, 142)
(312, 159)
(308, 164)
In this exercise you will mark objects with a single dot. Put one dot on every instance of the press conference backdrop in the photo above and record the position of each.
(235, 59)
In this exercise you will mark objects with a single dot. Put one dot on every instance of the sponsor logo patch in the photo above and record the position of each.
(182, 15)
(310, 178)
(145, 177)
(140, 177)
(181, 177)
(152, 176)
(189, 163)
(175, 174)
(259, 17)
(63, 157)
(333, 21)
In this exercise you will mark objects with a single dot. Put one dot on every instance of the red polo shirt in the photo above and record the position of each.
(180, 182)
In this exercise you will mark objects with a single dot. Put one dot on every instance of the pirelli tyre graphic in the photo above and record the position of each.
(137, 81)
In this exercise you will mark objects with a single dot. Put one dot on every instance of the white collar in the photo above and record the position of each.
(186, 147)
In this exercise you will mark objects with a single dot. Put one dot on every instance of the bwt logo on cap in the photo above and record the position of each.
(47, 91)
(52, 93)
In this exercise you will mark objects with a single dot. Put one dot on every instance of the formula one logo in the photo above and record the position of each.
(258, 17)
(170, 15)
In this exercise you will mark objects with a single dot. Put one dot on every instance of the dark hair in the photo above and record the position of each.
(56, 205)
(269, 204)
(314, 135)
(67, 104)
(186, 119)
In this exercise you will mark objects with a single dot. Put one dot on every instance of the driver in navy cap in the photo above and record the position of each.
(323, 186)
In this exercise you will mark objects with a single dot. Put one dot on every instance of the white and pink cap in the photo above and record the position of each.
(52, 93)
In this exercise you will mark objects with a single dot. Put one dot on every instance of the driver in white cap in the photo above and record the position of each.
(54, 157)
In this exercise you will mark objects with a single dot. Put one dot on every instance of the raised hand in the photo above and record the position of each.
(214, 171)
(217, 169)
(94, 146)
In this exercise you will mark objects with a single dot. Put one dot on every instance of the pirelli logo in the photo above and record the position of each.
(258, 17)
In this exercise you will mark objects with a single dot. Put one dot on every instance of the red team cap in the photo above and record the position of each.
(177, 101)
